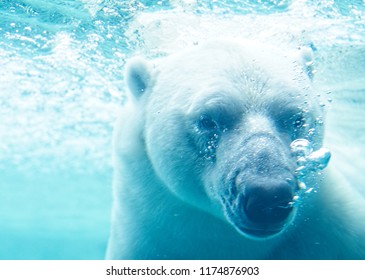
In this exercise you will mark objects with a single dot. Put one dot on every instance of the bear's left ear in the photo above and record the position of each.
(306, 60)
(138, 76)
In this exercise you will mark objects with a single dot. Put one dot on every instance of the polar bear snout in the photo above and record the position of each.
(267, 201)
(262, 208)
(259, 185)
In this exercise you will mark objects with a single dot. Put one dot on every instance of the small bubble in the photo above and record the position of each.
(319, 120)
(302, 186)
(301, 147)
(311, 131)
(309, 190)
(301, 161)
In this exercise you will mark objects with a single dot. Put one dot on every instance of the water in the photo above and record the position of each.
(61, 85)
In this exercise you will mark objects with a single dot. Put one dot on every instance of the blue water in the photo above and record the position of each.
(61, 86)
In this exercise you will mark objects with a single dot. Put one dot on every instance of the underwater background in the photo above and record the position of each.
(61, 86)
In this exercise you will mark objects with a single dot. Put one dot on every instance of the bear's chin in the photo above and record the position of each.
(258, 231)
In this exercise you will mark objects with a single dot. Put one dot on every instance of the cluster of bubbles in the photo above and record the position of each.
(211, 146)
(308, 162)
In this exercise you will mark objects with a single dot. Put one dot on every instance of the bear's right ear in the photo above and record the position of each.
(138, 76)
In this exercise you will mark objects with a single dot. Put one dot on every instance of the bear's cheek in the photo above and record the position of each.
(175, 161)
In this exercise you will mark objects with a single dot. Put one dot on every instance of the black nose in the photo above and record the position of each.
(267, 201)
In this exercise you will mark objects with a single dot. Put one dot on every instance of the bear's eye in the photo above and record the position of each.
(207, 123)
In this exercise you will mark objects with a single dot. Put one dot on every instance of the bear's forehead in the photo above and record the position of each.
(235, 66)
(248, 83)
(231, 73)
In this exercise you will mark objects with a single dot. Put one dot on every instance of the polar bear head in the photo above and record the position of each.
(217, 125)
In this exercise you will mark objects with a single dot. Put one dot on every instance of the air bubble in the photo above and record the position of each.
(301, 147)
(319, 120)
(309, 190)
(311, 131)
(319, 159)
(302, 186)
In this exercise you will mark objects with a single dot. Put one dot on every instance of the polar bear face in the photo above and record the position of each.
(218, 123)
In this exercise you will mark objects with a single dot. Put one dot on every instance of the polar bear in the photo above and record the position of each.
(203, 165)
